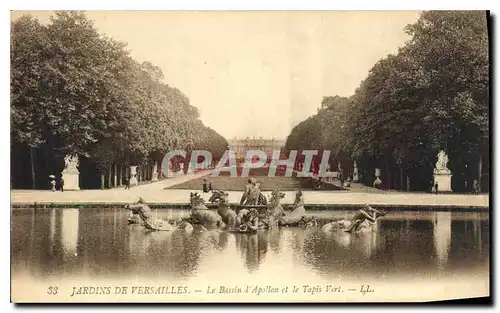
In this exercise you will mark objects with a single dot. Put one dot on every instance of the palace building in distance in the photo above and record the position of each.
(241, 145)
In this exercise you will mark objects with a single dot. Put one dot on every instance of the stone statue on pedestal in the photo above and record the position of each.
(378, 182)
(71, 165)
(133, 176)
(156, 174)
(355, 175)
(442, 174)
(70, 173)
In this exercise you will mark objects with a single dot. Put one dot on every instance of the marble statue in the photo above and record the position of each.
(70, 173)
(442, 162)
(155, 173)
(71, 165)
(355, 175)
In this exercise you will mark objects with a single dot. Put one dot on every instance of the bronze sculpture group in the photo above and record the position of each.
(253, 213)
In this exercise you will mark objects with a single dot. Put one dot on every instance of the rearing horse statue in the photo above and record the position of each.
(201, 214)
(228, 215)
(274, 209)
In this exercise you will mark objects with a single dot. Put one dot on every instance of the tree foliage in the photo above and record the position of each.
(431, 95)
(82, 93)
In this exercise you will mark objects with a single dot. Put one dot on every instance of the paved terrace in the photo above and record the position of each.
(154, 193)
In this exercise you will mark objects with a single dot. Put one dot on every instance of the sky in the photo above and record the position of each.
(256, 73)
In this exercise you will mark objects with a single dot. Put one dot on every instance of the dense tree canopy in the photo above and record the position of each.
(80, 93)
(431, 95)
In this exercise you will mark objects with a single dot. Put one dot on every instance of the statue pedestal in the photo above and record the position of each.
(443, 180)
(71, 181)
(355, 176)
(155, 177)
(442, 175)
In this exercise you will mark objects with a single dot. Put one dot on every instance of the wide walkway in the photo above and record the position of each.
(155, 193)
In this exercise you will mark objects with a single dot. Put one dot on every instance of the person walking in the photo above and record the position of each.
(61, 184)
(127, 183)
(205, 186)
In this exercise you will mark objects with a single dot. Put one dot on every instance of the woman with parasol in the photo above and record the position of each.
(52, 181)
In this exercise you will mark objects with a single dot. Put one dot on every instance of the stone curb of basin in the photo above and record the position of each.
(337, 207)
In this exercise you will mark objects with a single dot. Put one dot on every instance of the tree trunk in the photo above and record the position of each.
(120, 175)
(408, 183)
(388, 175)
(115, 172)
(102, 181)
(32, 158)
(401, 178)
(110, 176)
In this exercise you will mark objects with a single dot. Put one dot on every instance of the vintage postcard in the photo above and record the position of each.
(249, 156)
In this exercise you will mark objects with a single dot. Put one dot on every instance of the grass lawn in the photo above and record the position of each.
(228, 183)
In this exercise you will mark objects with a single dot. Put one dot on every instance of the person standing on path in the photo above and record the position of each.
(61, 184)
(205, 186)
(127, 183)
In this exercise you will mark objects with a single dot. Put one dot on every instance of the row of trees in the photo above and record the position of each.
(76, 92)
(432, 95)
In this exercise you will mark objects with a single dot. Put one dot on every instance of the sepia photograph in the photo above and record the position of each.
(250, 156)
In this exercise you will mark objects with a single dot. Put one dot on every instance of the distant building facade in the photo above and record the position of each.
(241, 145)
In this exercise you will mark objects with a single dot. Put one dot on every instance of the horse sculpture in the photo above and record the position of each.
(274, 210)
(200, 214)
(227, 214)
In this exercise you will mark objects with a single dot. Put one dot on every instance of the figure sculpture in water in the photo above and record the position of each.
(363, 220)
(298, 213)
(250, 222)
(142, 210)
(252, 194)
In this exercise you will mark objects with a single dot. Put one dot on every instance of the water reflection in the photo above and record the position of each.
(100, 243)
(442, 237)
(69, 233)
(253, 248)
